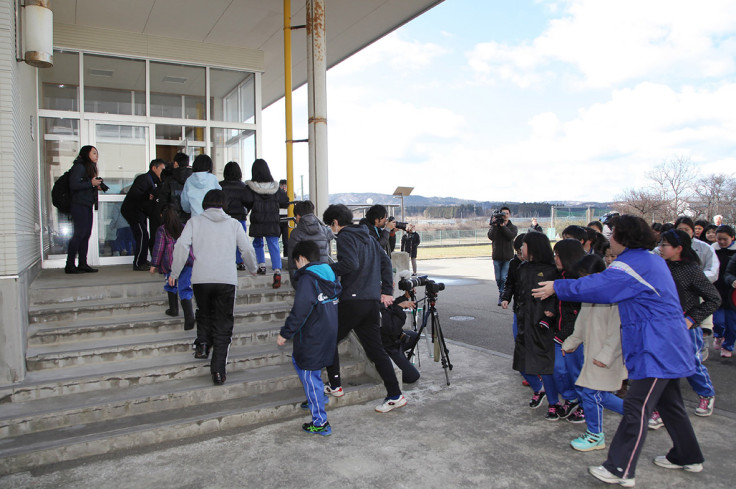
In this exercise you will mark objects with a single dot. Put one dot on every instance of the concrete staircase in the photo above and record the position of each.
(108, 370)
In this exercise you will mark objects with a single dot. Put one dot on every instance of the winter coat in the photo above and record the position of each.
(310, 228)
(503, 241)
(724, 287)
(172, 188)
(312, 322)
(236, 197)
(535, 229)
(80, 186)
(567, 313)
(213, 236)
(730, 277)
(142, 196)
(410, 243)
(195, 188)
(381, 234)
(692, 284)
(393, 319)
(534, 349)
(163, 251)
(654, 338)
(363, 267)
(264, 199)
(510, 285)
(708, 259)
(598, 327)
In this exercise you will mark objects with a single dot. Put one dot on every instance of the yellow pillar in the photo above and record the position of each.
(287, 107)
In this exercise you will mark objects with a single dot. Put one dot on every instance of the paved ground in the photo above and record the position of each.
(477, 432)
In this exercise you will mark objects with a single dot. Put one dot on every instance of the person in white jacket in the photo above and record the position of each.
(213, 236)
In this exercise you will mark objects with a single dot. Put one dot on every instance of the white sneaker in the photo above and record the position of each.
(391, 404)
(663, 462)
(655, 422)
(705, 407)
(337, 392)
(602, 474)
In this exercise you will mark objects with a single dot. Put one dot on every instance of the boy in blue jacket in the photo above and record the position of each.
(312, 323)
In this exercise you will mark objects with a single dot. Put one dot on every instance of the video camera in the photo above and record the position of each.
(431, 287)
(497, 217)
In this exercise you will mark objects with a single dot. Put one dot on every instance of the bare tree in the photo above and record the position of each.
(673, 182)
(645, 203)
(713, 194)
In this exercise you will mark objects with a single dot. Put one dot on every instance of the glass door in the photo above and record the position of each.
(125, 152)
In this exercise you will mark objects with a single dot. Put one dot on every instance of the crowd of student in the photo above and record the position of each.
(597, 317)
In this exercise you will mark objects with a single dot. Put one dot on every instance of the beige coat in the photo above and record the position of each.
(598, 326)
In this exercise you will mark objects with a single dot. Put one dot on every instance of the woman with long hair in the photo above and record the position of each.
(83, 184)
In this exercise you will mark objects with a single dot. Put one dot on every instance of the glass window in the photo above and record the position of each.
(233, 145)
(232, 96)
(177, 91)
(123, 154)
(59, 147)
(114, 85)
(115, 236)
(59, 85)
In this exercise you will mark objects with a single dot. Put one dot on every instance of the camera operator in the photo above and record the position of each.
(395, 339)
(366, 278)
(409, 243)
(375, 220)
(140, 203)
(502, 234)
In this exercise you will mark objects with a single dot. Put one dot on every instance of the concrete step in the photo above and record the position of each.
(117, 282)
(84, 440)
(139, 324)
(23, 418)
(151, 304)
(94, 377)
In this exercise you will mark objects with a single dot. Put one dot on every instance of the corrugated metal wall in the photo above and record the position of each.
(19, 241)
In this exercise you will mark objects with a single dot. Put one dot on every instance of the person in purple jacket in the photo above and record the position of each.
(655, 345)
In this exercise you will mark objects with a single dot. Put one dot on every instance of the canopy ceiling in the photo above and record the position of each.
(255, 24)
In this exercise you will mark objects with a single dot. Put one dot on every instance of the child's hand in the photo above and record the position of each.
(689, 323)
(599, 364)
(172, 281)
(505, 304)
(407, 305)
(549, 314)
(152, 270)
(280, 340)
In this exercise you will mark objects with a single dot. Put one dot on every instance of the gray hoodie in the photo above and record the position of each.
(213, 236)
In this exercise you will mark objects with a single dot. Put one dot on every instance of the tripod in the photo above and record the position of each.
(438, 338)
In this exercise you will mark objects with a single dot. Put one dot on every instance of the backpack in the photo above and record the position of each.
(61, 194)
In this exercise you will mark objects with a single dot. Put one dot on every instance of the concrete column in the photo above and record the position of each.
(317, 88)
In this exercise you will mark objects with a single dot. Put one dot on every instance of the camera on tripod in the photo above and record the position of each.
(431, 287)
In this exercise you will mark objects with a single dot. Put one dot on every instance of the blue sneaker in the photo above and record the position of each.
(323, 430)
(589, 441)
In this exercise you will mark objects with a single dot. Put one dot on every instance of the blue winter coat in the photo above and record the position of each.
(195, 188)
(312, 322)
(654, 336)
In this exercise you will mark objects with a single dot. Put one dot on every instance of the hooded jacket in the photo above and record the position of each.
(310, 228)
(363, 267)
(312, 322)
(237, 197)
(264, 199)
(195, 188)
(654, 338)
(723, 286)
(172, 189)
(212, 236)
(708, 259)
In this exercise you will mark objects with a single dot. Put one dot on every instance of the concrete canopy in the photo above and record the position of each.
(255, 24)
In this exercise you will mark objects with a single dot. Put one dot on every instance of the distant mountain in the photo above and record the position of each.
(419, 200)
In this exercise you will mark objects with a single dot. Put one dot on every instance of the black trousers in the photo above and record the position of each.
(215, 320)
(409, 373)
(644, 396)
(79, 243)
(364, 318)
(139, 226)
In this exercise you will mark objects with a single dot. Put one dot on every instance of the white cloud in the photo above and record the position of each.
(608, 43)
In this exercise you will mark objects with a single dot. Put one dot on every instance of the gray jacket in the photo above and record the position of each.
(212, 237)
(310, 228)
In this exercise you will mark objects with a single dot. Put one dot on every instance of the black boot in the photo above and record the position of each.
(186, 307)
(173, 309)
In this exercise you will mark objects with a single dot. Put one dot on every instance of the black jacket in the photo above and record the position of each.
(724, 287)
(236, 197)
(80, 185)
(534, 349)
(171, 188)
(363, 267)
(503, 241)
(264, 200)
(410, 243)
(393, 319)
(509, 288)
(142, 195)
(310, 228)
(729, 277)
(381, 234)
(692, 285)
(567, 313)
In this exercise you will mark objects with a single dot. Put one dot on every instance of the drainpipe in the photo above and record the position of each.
(287, 108)
(317, 87)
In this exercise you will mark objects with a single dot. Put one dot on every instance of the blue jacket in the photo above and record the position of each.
(195, 188)
(312, 322)
(654, 337)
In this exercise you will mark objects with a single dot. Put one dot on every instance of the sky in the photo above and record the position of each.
(528, 100)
